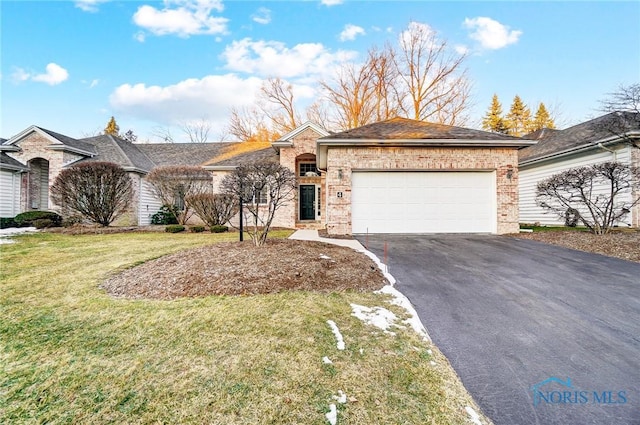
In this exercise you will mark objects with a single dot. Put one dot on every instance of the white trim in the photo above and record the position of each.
(293, 133)
(609, 141)
(30, 130)
(67, 148)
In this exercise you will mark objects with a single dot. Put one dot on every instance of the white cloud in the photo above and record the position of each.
(491, 34)
(54, 74)
(94, 83)
(182, 17)
(89, 5)
(194, 98)
(350, 32)
(331, 2)
(461, 49)
(274, 58)
(262, 16)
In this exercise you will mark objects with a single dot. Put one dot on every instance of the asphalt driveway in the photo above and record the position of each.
(539, 334)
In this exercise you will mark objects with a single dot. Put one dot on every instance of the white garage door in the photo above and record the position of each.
(423, 202)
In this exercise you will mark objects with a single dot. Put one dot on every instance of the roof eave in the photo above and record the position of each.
(9, 148)
(220, 167)
(608, 141)
(4, 166)
(324, 144)
(67, 148)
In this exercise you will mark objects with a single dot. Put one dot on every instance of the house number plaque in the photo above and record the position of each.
(339, 194)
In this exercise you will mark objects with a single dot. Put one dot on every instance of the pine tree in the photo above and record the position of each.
(112, 128)
(518, 118)
(542, 119)
(493, 120)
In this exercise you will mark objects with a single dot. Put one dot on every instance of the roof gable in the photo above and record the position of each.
(306, 126)
(58, 141)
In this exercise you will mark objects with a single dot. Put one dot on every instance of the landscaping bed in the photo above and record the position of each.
(624, 244)
(240, 269)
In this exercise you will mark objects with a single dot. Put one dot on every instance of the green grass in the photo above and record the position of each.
(71, 354)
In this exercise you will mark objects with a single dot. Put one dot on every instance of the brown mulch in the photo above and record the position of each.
(620, 244)
(239, 268)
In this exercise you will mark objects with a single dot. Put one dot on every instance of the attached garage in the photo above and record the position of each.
(423, 202)
(408, 176)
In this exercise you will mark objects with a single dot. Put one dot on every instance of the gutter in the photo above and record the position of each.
(220, 167)
(324, 144)
(72, 150)
(609, 141)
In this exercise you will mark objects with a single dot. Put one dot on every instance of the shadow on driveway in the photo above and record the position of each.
(511, 313)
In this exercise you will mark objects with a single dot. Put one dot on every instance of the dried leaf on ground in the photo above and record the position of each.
(239, 268)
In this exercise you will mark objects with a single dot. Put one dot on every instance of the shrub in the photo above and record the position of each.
(26, 219)
(196, 229)
(72, 220)
(214, 209)
(174, 228)
(166, 215)
(6, 222)
(219, 229)
(42, 223)
(99, 191)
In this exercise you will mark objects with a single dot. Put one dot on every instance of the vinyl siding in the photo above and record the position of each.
(530, 175)
(9, 193)
(149, 204)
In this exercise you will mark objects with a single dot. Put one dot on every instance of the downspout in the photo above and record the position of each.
(615, 153)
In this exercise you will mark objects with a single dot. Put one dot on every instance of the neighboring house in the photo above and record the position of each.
(395, 176)
(610, 137)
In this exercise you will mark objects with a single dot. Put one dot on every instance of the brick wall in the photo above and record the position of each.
(412, 159)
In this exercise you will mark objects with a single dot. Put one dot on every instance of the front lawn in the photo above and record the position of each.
(70, 353)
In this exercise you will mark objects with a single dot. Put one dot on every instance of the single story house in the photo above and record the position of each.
(394, 176)
(611, 137)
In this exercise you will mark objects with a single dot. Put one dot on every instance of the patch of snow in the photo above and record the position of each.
(325, 257)
(383, 268)
(332, 416)
(400, 300)
(432, 363)
(341, 397)
(5, 234)
(475, 418)
(429, 352)
(338, 335)
(362, 351)
(377, 316)
(326, 360)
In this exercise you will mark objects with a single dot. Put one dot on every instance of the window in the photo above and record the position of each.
(308, 167)
(319, 203)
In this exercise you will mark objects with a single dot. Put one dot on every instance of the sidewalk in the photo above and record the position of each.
(312, 235)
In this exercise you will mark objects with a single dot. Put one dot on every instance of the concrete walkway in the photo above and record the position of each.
(312, 235)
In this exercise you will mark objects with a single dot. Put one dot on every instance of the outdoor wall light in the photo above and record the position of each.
(509, 173)
(340, 174)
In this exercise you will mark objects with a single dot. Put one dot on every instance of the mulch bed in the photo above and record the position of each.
(239, 268)
(619, 244)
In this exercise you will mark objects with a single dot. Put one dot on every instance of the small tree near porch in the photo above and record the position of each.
(591, 195)
(264, 187)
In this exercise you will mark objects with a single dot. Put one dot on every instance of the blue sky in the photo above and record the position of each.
(70, 65)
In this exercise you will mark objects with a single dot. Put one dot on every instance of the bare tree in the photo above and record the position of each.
(264, 187)
(387, 93)
(597, 195)
(214, 209)
(433, 77)
(352, 94)
(318, 113)
(163, 133)
(279, 95)
(173, 185)
(623, 109)
(196, 130)
(99, 191)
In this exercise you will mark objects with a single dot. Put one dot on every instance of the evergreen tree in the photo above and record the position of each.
(542, 119)
(112, 128)
(518, 118)
(493, 120)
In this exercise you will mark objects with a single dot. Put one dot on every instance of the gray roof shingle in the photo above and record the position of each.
(581, 135)
(265, 154)
(113, 149)
(191, 154)
(70, 141)
(7, 162)
(408, 129)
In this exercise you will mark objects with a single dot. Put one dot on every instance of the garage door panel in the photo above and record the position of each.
(423, 202)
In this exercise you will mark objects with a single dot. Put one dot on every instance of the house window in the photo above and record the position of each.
(307, 167)
(261, 196)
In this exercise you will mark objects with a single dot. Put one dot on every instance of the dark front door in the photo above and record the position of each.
(307, 202)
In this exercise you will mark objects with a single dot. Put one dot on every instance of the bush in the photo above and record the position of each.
(219, 229)
(174, 228)
(166, 215)
(26, 219)
(42, 223)
(214, 209)
(196, 229)
(72, 221)
(99, 191)
(6, 222)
